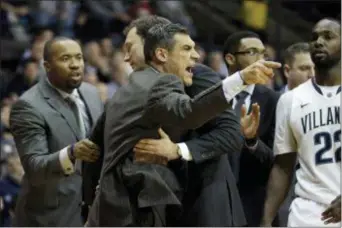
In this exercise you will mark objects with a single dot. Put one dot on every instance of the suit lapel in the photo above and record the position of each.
(87, 97)
(55, 100)
(258, 97)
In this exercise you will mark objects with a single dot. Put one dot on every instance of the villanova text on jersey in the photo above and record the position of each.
(319, 118)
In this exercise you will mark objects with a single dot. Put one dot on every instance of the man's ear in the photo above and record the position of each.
(230, 59)
(161, 54)
(47, 66)
(286, 70)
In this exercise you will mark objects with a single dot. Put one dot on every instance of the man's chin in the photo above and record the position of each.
(74, 85)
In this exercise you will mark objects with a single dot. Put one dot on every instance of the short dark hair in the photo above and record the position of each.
(143, 24)
(294, 49)
(28, 61)
(161, 36)
(48, 45)
(232, 43)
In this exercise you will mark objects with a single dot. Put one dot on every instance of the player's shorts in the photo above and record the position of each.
(307, 213)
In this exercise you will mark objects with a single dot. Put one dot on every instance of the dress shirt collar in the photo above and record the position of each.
(63, 93)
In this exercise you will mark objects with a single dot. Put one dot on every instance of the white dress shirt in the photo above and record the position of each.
(231, 85)
(67, 165)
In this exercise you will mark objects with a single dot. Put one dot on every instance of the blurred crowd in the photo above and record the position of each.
(97, 26)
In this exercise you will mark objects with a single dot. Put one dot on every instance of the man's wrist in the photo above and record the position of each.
(242, 78)
(178, 150)
(251, 143)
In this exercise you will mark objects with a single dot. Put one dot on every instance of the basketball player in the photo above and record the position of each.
(308, 126)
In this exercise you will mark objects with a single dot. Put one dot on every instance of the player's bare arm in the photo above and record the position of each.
(278, 185)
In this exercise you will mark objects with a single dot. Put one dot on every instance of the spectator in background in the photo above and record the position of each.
(40, 35)
(277, 82)
(176, 12)
(216, 62)
(90, 75)
(14, 20)
(5, 113)
(104, 17)
(11, 169)
(201, 53)
(57, 14)
(119, 73)
(27, 79)
(298, 67)
(95, 58)
(106, 47)
(141, 8)
(36, 54)
(10, 186)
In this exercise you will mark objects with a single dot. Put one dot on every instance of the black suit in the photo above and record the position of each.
(212, 198)
(255, 166)
(136, 111)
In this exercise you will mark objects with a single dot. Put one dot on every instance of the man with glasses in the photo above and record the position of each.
(251, 167)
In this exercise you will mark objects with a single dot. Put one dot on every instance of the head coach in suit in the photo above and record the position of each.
(211, 197)
(133, 190)
(48, 123)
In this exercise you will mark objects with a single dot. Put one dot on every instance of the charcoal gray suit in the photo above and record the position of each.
(42, 124)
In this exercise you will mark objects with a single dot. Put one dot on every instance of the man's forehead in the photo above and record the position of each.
(132, 35)
(327, 25)
(302, 58)
(184, 39)
(251, 42)
(66, 46)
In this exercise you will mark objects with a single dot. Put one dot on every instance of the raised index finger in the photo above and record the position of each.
(271, 64)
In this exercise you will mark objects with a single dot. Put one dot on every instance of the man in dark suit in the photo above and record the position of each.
(242, 49)
(135, 188)
(46, 123)
(211, 198)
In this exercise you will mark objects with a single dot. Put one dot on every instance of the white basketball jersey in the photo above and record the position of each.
(308, 122)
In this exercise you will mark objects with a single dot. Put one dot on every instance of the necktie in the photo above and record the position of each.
(240, 100)
(75, 109)
(82, 121)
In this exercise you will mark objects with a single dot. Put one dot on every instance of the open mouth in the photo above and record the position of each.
(319, 53)
(76, 75)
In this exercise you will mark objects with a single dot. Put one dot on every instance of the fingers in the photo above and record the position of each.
(86, 152)
(264, 70)
(243, 111)
(90, 144)
(89, 157)
(256, 113)
(271, 64)
(144, 147)
(331, 220)
(162, 134)
(327, 212)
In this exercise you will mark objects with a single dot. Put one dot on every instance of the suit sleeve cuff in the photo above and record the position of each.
(184, 151)
(66, 163)
(252, 145)
(232, 85)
